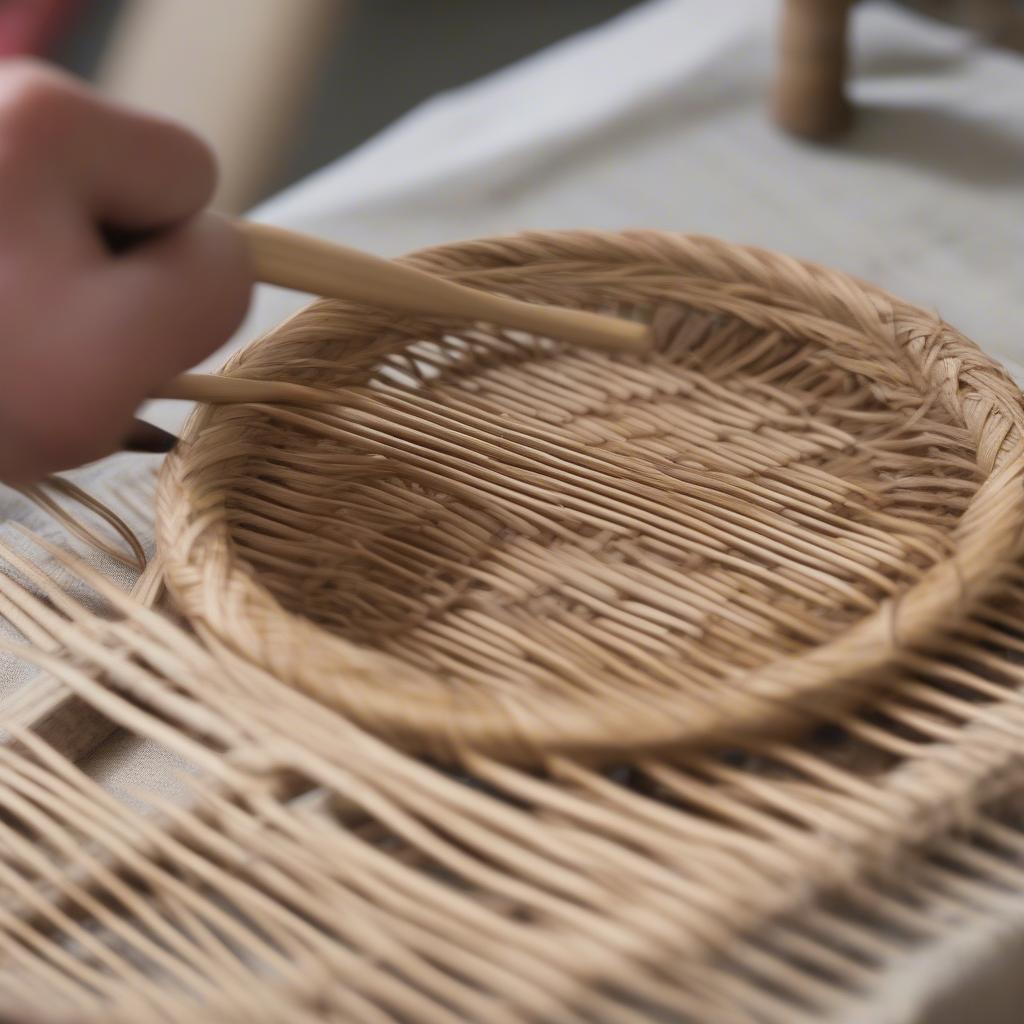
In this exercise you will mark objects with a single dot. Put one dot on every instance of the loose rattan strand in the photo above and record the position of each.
(318, 874)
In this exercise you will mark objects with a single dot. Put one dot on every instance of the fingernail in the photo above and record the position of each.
(144, 437)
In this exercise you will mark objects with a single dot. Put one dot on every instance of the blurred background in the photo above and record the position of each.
(281, 87)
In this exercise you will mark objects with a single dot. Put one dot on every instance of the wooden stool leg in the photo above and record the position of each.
(810, 96)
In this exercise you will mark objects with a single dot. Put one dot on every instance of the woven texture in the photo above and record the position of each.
(487, 541)
(314, 869)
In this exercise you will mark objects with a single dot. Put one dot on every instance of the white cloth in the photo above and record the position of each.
(658, 119)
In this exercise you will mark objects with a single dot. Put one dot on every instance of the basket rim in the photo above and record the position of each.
(773, 697)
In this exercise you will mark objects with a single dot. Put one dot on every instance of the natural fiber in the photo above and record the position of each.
(312, 871)
(492, 542)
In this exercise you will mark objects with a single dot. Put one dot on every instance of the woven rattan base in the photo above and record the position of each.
(494, 542)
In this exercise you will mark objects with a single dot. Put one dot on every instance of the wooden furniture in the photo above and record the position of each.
(809, 97)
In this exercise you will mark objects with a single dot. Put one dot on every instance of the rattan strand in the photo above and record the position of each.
(314, 874)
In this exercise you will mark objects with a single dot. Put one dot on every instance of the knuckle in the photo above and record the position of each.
(29, 84)
(194, 163)
(198, 150)
(32, 99)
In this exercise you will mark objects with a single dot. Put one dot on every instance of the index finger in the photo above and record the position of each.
(130, 169)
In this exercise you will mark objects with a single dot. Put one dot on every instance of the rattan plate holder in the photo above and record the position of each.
(491, 542)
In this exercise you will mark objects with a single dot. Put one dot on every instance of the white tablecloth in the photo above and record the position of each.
(657, 119)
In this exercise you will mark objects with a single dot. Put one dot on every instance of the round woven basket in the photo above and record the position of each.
(492, 542)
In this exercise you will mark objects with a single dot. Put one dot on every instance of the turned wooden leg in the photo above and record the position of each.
(810, 94)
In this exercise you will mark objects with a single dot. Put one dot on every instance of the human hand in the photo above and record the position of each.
(87, 330)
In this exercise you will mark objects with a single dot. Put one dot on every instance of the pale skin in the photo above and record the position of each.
(88, 331)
